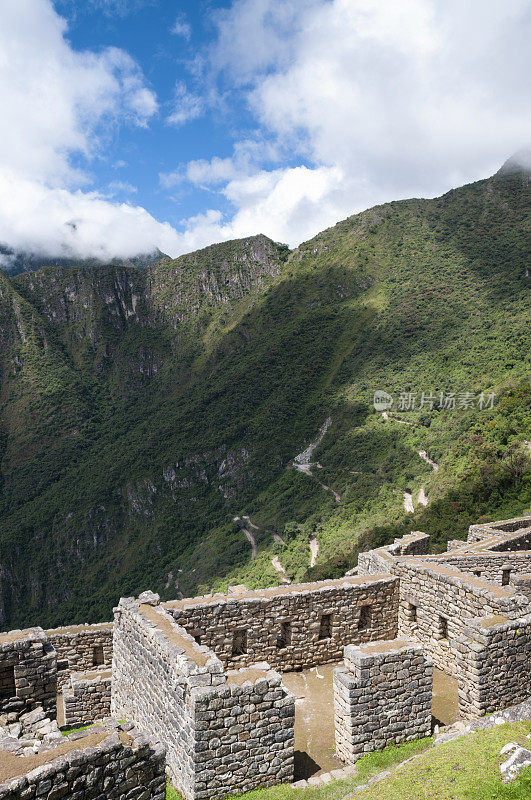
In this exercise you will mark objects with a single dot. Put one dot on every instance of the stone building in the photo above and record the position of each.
(204, 681)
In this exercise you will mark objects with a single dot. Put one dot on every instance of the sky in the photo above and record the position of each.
(128, 125)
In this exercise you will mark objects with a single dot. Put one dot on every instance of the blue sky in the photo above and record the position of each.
(134, 124)
(165, 38)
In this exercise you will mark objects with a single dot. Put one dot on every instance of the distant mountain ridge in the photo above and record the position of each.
(144, 414)
(14, 262)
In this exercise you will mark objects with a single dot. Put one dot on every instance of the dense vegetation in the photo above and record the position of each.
(142, 411)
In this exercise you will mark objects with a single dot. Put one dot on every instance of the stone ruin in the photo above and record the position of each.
(201, 682)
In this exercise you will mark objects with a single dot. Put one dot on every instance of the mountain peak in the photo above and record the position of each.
(519, 163)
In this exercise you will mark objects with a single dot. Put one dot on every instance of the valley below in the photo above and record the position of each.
(209, 420)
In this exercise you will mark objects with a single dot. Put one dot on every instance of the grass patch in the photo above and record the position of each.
(466, 769)
(68, 731)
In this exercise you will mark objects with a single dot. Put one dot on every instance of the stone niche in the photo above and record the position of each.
(87, 698)
(382, 696)
(28, 673)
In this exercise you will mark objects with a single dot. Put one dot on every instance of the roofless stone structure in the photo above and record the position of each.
(199, 681)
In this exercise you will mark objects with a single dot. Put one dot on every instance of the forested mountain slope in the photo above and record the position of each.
(141, 412)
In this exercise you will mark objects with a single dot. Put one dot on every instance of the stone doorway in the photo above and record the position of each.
(445, 700)
(314, 720)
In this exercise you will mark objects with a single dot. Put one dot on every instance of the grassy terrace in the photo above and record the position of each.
(465, 769)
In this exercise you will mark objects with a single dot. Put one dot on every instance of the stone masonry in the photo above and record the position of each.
(225, 733)
(293, 627)
(382, 695)
(81, 648)
(87, 698)
(199, 674)
(27, 673)
(110, 763)
(469, 608)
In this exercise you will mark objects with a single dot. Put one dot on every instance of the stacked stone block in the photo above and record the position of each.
(80, 648)
(222, 736)
(29, 673)
(522, 584)
(442, 601)
(493, 664)
(490, 566)
(87, 698)
(119, 766)
(244, 736)
(382, 696)
(355, 610)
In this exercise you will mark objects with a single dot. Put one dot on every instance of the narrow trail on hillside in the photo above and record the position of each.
(423, 454)
(386, 416)
(408, 503)
(314, 549)
(280, 569)
(303, 462)
(249, 536)
(422, 499)
(252, 541)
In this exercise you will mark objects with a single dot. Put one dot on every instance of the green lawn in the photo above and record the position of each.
(465, 769)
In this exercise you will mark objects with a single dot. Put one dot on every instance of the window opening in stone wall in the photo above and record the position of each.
(98, 657)
(412, 612)
(365, 619)
(477, 573)
(7, 682)
(506, 574)
(239, 643)
(197, 634)
(325, 628)
(284, 637)
(443, 628)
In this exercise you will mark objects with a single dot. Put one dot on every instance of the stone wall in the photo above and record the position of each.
(223, 734)
(493, 664)
(382, 696)
(437, 603)
(496, 567)
(28, 673)
(113, 764)
(294, 627)
(80, 648)
(522, 584)
(245, 734)
(87, 698)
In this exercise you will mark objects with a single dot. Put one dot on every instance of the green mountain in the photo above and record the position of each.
(149, 419)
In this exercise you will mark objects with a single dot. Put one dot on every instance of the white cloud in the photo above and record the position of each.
(121, 187)
(77, 224)
(380, 99)
(186, 106)
(57, 103)
(181, 27)
(351, 103)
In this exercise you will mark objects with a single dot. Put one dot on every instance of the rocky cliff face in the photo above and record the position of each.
(143, 412)
(213, 277)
